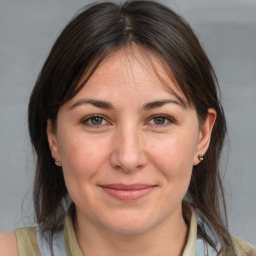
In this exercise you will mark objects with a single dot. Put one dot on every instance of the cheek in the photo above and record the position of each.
(174, 155)
(174, 160)
(81, 161)
(81, 158)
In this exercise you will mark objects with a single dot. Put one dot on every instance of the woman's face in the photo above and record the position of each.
(127, 146)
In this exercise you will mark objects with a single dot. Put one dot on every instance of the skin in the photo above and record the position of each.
(8, 245)
(129, 140)
(127, 144)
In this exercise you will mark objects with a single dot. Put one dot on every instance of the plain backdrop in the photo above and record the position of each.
(227, 30)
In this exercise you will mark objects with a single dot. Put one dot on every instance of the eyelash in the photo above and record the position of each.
(88, 121)
(165, 117)
(93, 117)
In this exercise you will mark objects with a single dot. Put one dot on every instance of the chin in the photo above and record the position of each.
(130, 224)
(128, 229)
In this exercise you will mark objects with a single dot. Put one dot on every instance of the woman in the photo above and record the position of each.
(128, 130)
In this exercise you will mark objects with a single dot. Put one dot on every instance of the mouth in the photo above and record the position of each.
(127, 192)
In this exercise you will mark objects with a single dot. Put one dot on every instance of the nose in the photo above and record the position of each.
(128, 152)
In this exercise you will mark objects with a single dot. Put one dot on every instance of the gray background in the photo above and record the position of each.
(227, 30)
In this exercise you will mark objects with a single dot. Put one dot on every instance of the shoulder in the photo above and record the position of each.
(20, 242)
(27, 241)
(243, 248)
(8, 244)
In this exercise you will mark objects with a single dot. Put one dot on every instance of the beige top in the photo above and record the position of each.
(28, 244)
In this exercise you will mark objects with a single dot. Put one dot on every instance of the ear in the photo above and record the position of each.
(205, 132)
(52, 140)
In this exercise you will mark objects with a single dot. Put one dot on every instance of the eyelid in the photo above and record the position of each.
(87, 118)
(170, 119)
(93, 115)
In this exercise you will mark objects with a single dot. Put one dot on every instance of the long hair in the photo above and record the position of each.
(90, 36)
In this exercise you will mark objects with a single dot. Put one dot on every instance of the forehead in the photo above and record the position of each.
(134, 69)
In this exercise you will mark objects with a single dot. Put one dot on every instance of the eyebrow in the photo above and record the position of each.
(147, 106)
(96, 103)
(160, 103)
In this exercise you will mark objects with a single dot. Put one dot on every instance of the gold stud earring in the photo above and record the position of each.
(201, 157)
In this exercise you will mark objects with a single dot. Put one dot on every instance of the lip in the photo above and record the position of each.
(128, 192)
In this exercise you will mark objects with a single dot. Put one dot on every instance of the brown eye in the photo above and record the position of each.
(159, 120)
(96, 120)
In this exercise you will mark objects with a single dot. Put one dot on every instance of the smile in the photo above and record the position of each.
(127, 192)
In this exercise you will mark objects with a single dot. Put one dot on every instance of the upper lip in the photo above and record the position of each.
(119, 186)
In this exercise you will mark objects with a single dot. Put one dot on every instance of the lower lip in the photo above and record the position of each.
(128, 195)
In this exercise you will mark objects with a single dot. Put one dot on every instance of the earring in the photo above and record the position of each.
(56, 160)
(201, 157)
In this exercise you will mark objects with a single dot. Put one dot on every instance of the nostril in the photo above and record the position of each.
(128, 162)
(128, 152)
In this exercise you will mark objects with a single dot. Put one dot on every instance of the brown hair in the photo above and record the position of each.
(90, 36)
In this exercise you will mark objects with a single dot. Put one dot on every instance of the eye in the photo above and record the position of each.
(95, 121)
(160, 120)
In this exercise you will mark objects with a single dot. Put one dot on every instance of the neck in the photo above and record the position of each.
(166, 238)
